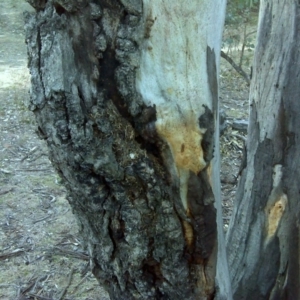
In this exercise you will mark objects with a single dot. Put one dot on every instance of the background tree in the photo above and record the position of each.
(126, 95)
(239, 35)
(263, 237)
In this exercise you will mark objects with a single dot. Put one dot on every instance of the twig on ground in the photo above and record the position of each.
(79, 284)
(29, 287)
(42, 219)
(13, 152)
(40, 279)
(63, 293)
(239, 136)
(11, 254)
(40, 190)
(5, 171)
(61, 251)
(45, 194)
(5, 190)
(29, 152)
(37, 157)
(33, 170)
(39, 297)
(53, 198)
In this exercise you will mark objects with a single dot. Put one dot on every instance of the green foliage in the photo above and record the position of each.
(239, 11)
(243, 3)
(239, 34)
(239, 15)
(251, 3)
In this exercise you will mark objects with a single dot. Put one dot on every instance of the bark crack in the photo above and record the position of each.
(39, 45)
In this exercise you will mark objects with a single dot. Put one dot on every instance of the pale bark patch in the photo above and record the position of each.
(172, 78)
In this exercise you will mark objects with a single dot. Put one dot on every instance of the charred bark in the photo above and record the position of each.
(114, 155)
(263, 239)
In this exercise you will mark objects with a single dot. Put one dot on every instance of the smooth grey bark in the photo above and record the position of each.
(263, 237)
(83, 58)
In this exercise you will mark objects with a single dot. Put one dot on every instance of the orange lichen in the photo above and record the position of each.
(209, 173)
(180, 129)
(184, 138)
(188, 233)
(274, 214)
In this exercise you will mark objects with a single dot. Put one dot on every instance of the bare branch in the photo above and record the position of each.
(236, 67)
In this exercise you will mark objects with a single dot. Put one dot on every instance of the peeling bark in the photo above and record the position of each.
(263, 238)
(135, 138)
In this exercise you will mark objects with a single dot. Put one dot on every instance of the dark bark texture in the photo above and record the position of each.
(83, 58)
(263, 238)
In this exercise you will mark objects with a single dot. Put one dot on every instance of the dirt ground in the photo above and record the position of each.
(40, 251)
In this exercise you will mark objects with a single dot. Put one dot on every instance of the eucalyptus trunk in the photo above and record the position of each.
(125, 94)
(263, 239)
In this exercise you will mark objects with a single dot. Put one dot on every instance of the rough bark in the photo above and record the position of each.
(135, 137)
(263, 238)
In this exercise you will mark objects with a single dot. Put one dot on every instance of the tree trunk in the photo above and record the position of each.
(263, 239)
(126, 95)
